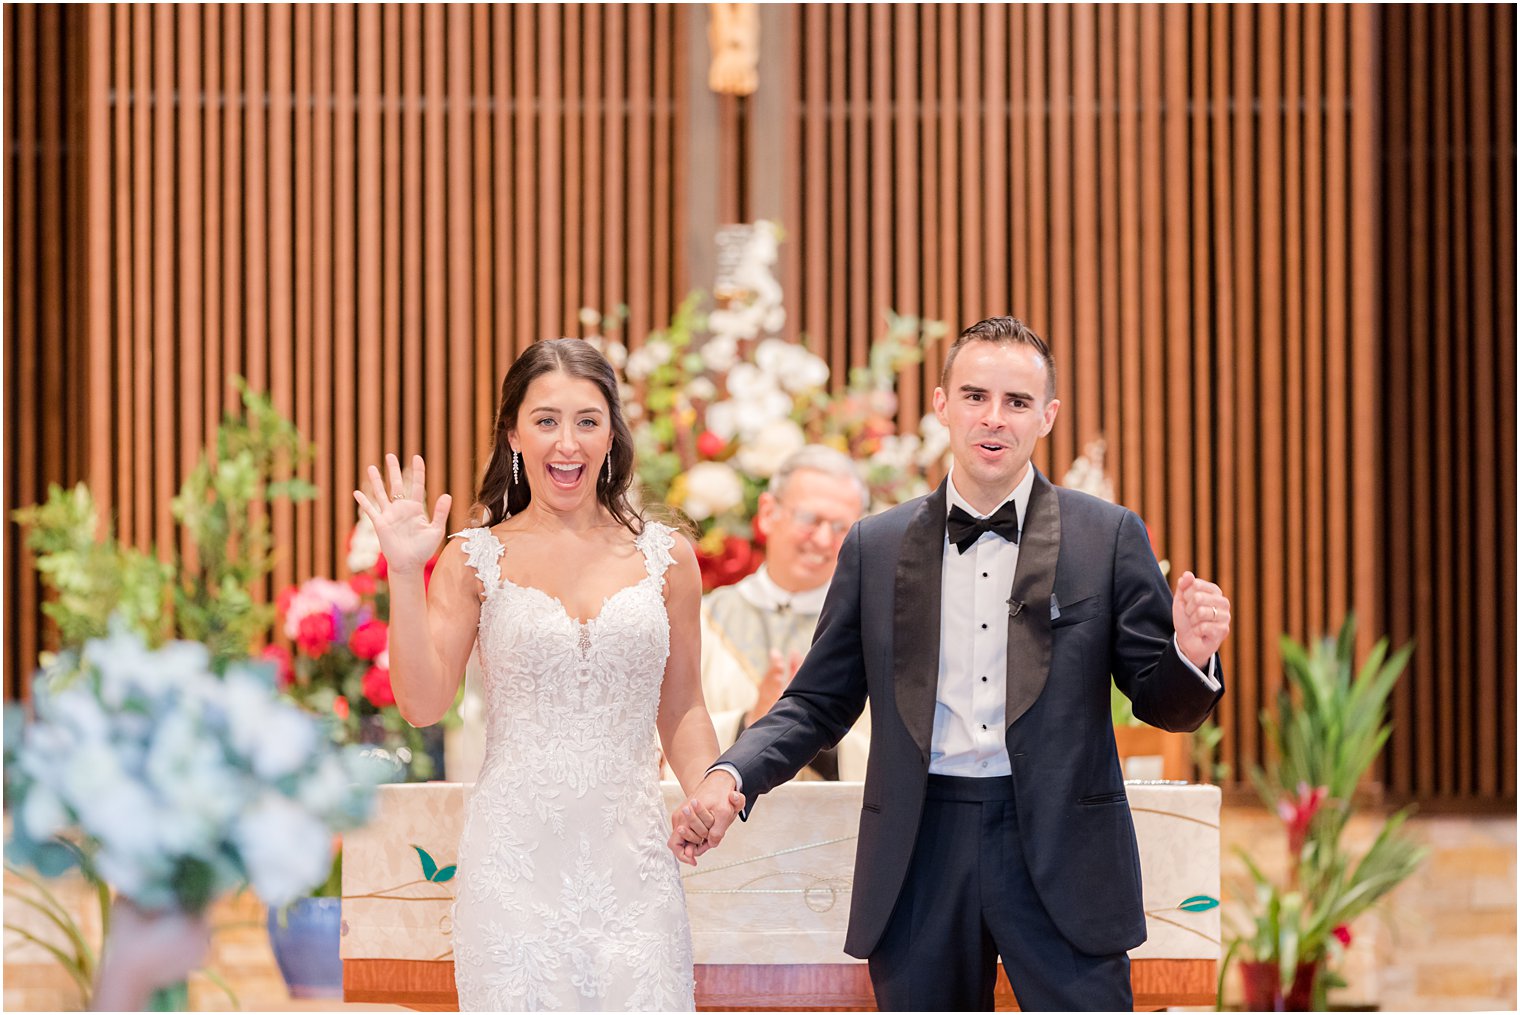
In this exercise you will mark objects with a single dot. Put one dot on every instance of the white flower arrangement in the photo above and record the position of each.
(174, 785)
(717, 399)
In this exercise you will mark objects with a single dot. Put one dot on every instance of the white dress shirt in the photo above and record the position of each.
(971, 696)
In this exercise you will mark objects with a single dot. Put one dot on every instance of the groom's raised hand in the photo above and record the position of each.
(1201, 618)
(701, 822)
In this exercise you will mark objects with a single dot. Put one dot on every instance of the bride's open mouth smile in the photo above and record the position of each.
(565, 476)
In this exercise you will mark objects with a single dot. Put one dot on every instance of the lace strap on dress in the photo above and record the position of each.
(656, 542)
(482, 551)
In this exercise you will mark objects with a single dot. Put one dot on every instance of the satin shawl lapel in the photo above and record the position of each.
(1029, 602)
(916, 618)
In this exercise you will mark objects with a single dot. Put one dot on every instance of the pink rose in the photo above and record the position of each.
(377, 687)
(316, 633)
(368, 639)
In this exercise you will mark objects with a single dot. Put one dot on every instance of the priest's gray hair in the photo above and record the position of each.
(824, 459)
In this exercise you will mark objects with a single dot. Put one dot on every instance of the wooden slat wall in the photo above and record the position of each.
(366, 211)
(1257, 237)
(45, 399)
(1184, 201)
(1447, 220)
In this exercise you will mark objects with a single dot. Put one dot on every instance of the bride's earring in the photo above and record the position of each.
(609, 466)
(514, 468)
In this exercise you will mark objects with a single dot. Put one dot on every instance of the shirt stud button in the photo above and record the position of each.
(984, 627)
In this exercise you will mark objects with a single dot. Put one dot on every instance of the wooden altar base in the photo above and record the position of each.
(429, 986)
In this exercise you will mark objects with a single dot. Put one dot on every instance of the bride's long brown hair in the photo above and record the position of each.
(498, 496)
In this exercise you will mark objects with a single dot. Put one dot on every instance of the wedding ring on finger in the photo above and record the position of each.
(1216, 612)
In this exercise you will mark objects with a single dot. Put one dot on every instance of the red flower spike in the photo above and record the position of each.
(1343, 935)
(1298, 814)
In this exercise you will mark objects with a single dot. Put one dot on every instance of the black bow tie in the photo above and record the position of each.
(965, 530)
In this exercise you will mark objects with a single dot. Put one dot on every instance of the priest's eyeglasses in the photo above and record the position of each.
(808, 520)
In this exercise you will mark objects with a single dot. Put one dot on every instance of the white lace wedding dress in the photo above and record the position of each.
(568, 897)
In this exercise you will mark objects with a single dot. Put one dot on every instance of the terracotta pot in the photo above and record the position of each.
(1261, 984)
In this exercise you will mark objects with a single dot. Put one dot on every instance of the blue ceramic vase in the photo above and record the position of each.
(306, 947)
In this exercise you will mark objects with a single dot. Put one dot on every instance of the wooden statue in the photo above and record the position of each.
(734, 35)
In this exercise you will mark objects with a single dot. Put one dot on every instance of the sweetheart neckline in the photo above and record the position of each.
(564, 612)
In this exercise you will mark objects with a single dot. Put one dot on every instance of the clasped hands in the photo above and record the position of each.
(700, 823)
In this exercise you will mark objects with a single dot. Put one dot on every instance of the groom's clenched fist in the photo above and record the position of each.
(700, 823)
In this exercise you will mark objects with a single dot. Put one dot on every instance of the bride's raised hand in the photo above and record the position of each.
(408, 536)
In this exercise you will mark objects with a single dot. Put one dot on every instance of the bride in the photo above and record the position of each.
(586, 618)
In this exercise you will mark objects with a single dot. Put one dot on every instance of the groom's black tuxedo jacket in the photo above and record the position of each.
(877, 640)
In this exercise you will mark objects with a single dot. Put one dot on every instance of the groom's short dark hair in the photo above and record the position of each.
(1003, 330)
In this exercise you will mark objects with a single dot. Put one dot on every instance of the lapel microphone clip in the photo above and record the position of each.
(1014, 606)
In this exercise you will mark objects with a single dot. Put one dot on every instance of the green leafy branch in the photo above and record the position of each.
(208, 598)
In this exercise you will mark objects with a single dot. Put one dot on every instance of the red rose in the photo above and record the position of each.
(377, 687)
(737, 560)
(363, 585)
(316, 633)
(340, 707)
(381, 568)
(1343, 935)
(368, 639)
(710, 445)
(280, 656)
(427, 571)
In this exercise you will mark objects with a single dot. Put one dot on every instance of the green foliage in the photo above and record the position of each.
(76, 955)
(901, 347)
(332, 888)
(92, 578)
(1329, 725)
(211, 600)
(1204, 747)
(213, 603)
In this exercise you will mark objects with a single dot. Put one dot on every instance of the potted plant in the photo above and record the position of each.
(1328, 727)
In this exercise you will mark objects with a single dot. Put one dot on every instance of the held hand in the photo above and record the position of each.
(407, 535)
(1201, 618)
(701, 822)
(146, 951)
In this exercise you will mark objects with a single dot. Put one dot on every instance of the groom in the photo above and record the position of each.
(982, 624)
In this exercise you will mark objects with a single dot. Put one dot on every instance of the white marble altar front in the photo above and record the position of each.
(777, 891)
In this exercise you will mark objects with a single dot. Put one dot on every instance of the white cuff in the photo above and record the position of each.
(731, 770)
(1210, 681)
